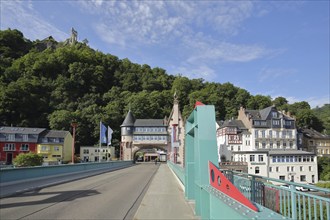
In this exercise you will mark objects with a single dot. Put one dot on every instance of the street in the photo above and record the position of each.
(112, 195)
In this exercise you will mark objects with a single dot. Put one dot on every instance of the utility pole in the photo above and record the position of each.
(74, 125)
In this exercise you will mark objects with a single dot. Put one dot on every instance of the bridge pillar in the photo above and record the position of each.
(200, 147)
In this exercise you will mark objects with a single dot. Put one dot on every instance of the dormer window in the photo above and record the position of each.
(274, 114)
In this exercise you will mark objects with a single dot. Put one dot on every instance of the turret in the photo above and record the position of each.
(128, 125)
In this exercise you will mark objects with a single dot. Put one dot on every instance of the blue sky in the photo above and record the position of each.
(275, 48)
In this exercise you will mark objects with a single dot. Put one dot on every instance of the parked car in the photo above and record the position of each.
(300, 188)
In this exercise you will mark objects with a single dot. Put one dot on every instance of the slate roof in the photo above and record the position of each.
(311, 133)
(21, 130)
(233, 123)
(54, 134)
(129, 119)
(149, 123)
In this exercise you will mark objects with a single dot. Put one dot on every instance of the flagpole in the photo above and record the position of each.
(100, 141)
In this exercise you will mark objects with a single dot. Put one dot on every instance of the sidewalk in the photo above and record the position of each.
(164, 199)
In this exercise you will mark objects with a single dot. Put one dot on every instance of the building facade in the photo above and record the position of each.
(137, 134)
(313, 141)
(96, 154)
(175, 128)
(265, 141)
(55, 146)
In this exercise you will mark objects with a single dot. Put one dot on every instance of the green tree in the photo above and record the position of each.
(28, 160)
(259, 102)
(323, 168)
(280, 103)
(306, 118)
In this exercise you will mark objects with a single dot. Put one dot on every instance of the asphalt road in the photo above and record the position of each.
(112, 195)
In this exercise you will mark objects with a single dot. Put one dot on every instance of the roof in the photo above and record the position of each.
(290, 152)
(54, 134)
(129, 119)
(311, 133)
(21, 130)
(149, 122)
(233, 123)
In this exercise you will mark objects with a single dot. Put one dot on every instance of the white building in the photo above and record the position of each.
(266, 142)
(96, 154)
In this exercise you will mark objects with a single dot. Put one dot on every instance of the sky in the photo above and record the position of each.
(271, 48)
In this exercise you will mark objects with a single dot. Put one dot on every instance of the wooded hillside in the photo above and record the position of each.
(45, 83)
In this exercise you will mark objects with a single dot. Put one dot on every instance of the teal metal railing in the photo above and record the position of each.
(25, 173)
(272, 199)
(282, 196)
(179, 171)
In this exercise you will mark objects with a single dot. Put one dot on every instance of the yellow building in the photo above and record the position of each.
(55, 146)
(314, 141)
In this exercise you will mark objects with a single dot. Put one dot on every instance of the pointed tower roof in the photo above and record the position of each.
(129, 119)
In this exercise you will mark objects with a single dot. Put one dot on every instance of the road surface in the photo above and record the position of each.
(112, 195)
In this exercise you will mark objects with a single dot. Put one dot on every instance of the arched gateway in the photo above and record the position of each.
(151, 135)
(139, 134)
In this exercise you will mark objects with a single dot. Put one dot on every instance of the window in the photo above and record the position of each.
(278, 144)
(263, 134)
(270, 134)
(24, 147)
(11, 137)
(291, 144)
(276, 122)
(25, 137)
(239, 148)
(274, 114)
(284, 144)
(301, 168)
(257, 144)
(257, 170)
(9, 147)
(310, 168)
(277, 134)
(302, 178)
(264, 145)
(277, 169)
(261, 158)
(251, 158)
(231, 148)
(312, 159)
(292, 169)
(256, 133)
(86, 151)
(288, 169)
(270, 169)
(283, 134)
(274, 159)
(56, 148)
(282, 177)
(44, 148)
(271, 144)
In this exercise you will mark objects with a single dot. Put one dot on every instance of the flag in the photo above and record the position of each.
(103, 130)
(110, 131)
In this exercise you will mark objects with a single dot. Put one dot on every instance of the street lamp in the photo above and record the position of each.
(74, 125)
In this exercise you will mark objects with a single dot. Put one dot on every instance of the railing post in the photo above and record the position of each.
(293, 202)
(253, 189)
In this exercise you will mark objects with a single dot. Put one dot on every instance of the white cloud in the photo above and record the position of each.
(267, 74)
(21, 15)
(197, 71)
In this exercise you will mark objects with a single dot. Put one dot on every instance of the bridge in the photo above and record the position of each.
(124, 190)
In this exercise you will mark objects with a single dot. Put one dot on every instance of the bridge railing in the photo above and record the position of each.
(292, 200)
(179, 171)
(25, 173)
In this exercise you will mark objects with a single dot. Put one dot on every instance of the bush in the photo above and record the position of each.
(28, 160)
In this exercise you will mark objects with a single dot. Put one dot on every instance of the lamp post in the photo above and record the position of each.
(74, 125)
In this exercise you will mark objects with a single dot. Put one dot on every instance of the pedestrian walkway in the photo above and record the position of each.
(164, 198)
